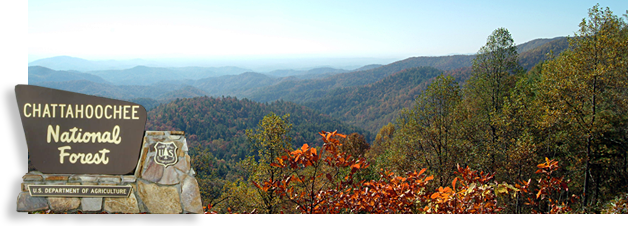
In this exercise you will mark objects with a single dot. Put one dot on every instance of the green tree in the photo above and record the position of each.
(355, 145)
(271, 141)
(426, 135)
(585, 93)
(494, 72)
(519, 133)
(493, 69)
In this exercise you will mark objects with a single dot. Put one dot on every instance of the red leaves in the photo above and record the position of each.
(257, 185)
(475, 194)
(431, 177)
(547, 167)
(329, 177)
(303, 187)
(390, 194)
(470, 192)
(208, 209)
(548, 186)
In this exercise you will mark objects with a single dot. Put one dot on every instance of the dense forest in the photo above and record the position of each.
(374, 105)
(549, 140)
(219, 124)
(537, 128)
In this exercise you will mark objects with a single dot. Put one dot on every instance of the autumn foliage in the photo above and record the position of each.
(324, 182)
(477, 144)
(549, 196)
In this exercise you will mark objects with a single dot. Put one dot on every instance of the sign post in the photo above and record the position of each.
(76, 133)
(91, 154)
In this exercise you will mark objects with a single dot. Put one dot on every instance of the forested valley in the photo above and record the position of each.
(548, 140)
(534, 128)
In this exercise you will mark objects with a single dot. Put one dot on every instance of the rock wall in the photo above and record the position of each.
(156, 187)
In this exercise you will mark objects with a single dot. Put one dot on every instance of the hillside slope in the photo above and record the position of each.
(220, 123)
(39, 74)
(372, 106)
(310, 90)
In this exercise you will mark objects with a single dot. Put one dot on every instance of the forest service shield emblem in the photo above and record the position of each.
(166, 153)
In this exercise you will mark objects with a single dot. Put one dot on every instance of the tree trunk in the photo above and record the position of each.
(586, 175)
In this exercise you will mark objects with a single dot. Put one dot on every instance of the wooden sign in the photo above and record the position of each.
(74, 133)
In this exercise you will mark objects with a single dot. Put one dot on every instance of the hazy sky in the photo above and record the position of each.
(155, 29)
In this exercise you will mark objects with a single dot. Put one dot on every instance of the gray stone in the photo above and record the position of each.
(180, 151)
(156, 189)
(170, 176)
(32, 177)
(154, 133)
(109, 179)
(28, 203)
(128, 179)
(190, 196)
(153, 171)
(56, 177)
(122, 205)
(62, 205)
(183, 164)
(86, 178)
(159, 199)
(91, 204)
(185, 145)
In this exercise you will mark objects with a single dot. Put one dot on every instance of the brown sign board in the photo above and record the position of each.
(74, 133)
(79, 190)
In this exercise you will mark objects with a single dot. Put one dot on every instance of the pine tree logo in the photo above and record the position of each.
(166, 153)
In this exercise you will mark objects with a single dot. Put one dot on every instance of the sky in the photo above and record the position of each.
(157, 29)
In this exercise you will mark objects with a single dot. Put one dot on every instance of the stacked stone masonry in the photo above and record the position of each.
(156, 188)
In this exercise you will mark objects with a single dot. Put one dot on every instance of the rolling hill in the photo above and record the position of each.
(39, 74)
(374, 105)
(300, 91)
(367, 97)
(220, 123)
(143, 75)
(65, 63)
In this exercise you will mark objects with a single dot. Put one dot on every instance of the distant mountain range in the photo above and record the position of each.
(38, 74)
(143, 75)
(65, 63)
(366, 97)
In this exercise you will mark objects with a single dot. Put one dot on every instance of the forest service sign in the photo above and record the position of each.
(69, 132)
(166, 153)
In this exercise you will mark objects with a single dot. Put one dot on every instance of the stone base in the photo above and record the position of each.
(156, 188)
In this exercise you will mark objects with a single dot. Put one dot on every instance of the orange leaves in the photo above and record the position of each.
(355, 167)
(470, 192)
(303, 186)
(442, 195)
(303, 157)
(539, 193)
(322, 182)
(389, 194)
(328, 137)
(547, 167)
(422, 171)
(257, 185)
(208, 209)
(548, 186)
